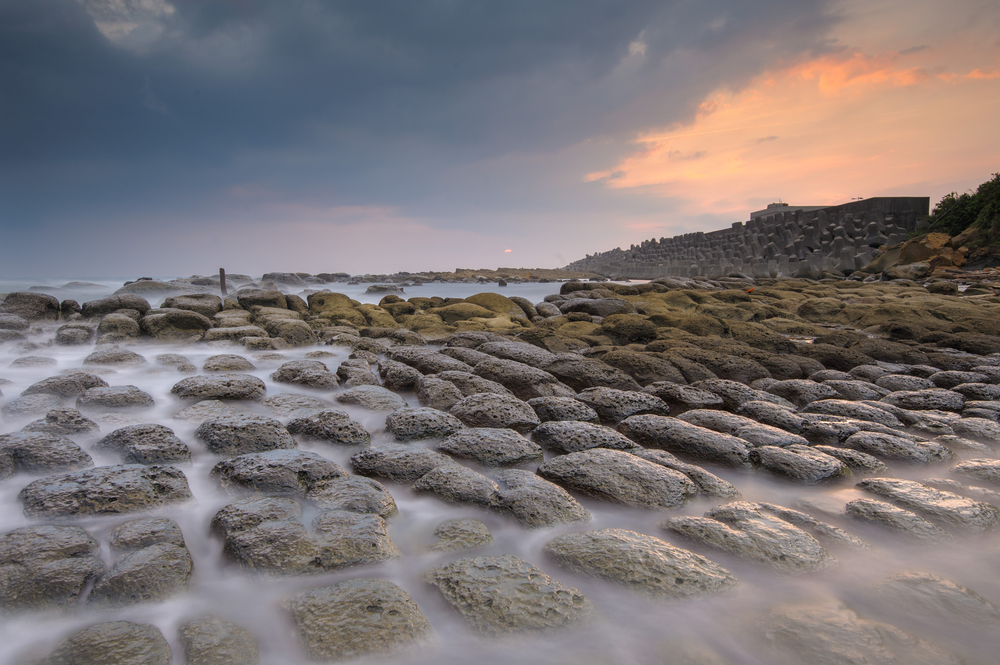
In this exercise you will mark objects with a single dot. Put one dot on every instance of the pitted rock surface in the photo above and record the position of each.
(242, 434)
(104, 490)
(491, 447)
(331, 426)
(566, 436)
(146, 444)
(220, 386)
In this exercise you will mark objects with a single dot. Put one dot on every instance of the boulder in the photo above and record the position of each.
(31, 405)
(566, 436)
(175, 325)
(919, 400)
(680, 398)
(40, 453)
(74, 334)
(897, 448)
(937, 598)
(46, 567)
(150, 574)
(534, 501)
(897, 519)
(227, 362)
(854, 410)
(115, 357)
(212, 641)
(981, 469)
(562, 408)
(104, 490)
(276, 472)
(145, 444)
(945, 509)
(799, 462)
(523, 380)
(111, 304)
(355, 494)
(470, 384)
(619, 477)
(331, 426)
(242, 434)
(639, 562)
(117, 642)
(454, 483)
(373, 398)
(310, 373)
(295, 404)
(206, 304)
(491, 447)
(503, 595)
(31, 306)
(707, 483)
(138, 534)
(437, 393)
(735, 394)
(361, 618)
(397, 463)
(63, 422)
(113, 397)
(493, 410)
(116, 327)
(398, 376)
(220, 386)
(751, 431)
(250, 299)
(581, 373)
(677, 436)
(234, 334)
(461, 534)
(410, 424)
(613, 406)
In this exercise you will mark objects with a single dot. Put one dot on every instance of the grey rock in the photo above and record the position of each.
(919, 400)
(104, 490)
(235, 334)
(677, 436)
(71, 384)
(855, 459)
(31, 405)
(309, 373)
(31, 361)
(63, 422)
(331, 426)
(373, 398)
(227, 362)
(74, 334)
(461, 534)
(39, 452)
(140, 533)
(581, 373)
(242, 434)
(357, 372)
(276, 472)
(398, 376)
(707, 483)
(146, 444)
(118, 327)
(427, 361)
(836, 635)
(977, 429)
(750, 531)
(206, 304)
(857, 390)
(767, 413)
(854, 410)
(205, 410)
(114, 397)
(355, 494)
(563, 408)
(454, 483)
(735, 394)
(946, 509)
(888, 446)
(151, 574)
(288, 404)
(566, 436)
(523, 380)
(504, 595)
(411, 424)
(683, 398)
(491, 447)
(220, 386)
(13, 322)
(639, 562)
(117, 642)
(212, 641)
(980, 469)
(175, 325)
(493, 410)
(613, 406)
(754, 433)
(900, 382)
(522, 352)
(952, 378)
(802, 391)
(596, 306)
(115, 357)
(437, 393)
(534, 501)
(398, 463)
(31, 306)
(358, 618)
(801, 463)
(937, 598)
(895, 518)
(46, 567)
(105, 306)
(619, 477)
(978, 392)
(470, 384)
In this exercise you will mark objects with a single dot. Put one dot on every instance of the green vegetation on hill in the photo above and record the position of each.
(957, 212)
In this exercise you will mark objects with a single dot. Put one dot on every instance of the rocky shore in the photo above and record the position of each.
(673, 442)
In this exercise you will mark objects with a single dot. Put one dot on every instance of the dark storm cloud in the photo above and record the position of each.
(116, 106)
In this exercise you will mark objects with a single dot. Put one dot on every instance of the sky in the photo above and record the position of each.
(169, 138)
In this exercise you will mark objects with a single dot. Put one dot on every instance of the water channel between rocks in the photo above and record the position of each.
(626, 628)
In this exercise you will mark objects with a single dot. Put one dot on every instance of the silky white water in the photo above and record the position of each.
(626, 629)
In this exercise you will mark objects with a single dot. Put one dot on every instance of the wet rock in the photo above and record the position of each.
(977, 429)
(681, 398)
(38, 453)
(504, 595)
(582, 373)
(140, 533)
(146, 444)
(677, 436)
(454, 483)
(355, 494)
(950, 379)
(220, 386)
(903, 382)
(104, 490)
(288, 404)
(114, 397)
(470, 384)
(491, 447)
(978, 392)
(645, 368)
(749, 531)
(151, 574)
(13, 322)
(799, 462)
(920, 400)
(461, 534)
(71, 384)
(523, 380)
(771, 414)
(46, 567)
(235, 334)
(536, 502)
(602, 307)
(373, 398)
(276, 472)
(309, 373)
(619, 477)
(332, 426)
(411, 424)
(613, 406)
(30, 306)
(398, 463)
(943, 508)
(888, 446)
(264, 535)
(427, 361)
(492, 410)
(980, 469)
(398, 376)
(639, 562)
(175, 325)
(937, 597)
(227, 362)
(105, 306)
(74, 334)
(31, 405)
(897, 519)
(242, 434)
(437, 393)
(707, 483)
(63, 422)
(754, 433)
(358, 618)
(836, 635)
(802, 391)
(205, 410)
(855, 459)
(562, 408)
(854, 410)
(32, 361)
(115, 357)
(212, 641)
(118, 327)
(563, 436)
(357, 372)
(857, 390)
(117, 642)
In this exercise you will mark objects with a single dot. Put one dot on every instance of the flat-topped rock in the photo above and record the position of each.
(854, 410)
(148, 443)
(355, 494)
(398, 463)
(897, 519)
(748, 429)
(220, 386)
(243, 433)
(276, 472)
(373, 398)
(118, 642)
(534, 501)
(946, 509)
(411, 424)
(798, 462)
(38, 452)
(151, 574)
(681, 398)
(523, 380)
(496, 411)
(309, 373)
(106, 489)
(491, 447)
(71, 384)
(458, 484)
(46, 567)
(564, 436)
(677, 436)
(330, 426)
(209, 640)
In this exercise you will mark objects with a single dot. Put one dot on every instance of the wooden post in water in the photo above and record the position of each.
(222, 280)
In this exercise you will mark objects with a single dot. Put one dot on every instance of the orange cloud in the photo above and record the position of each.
(980, 74)
(834, 74)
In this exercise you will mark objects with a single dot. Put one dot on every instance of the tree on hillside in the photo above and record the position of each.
(956, 212)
